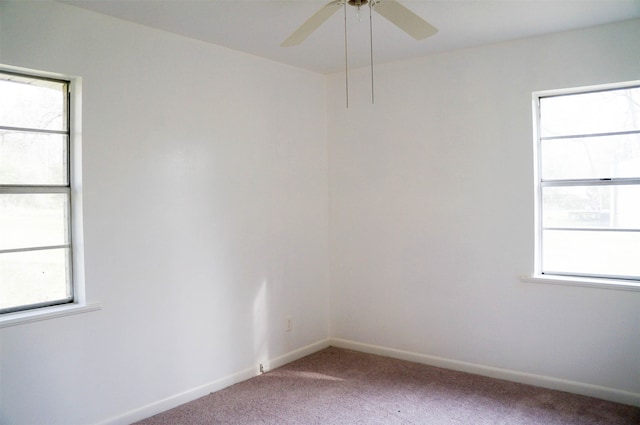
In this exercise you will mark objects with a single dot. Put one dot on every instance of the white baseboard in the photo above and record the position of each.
(201, 391)
(298, 354)
(160, 406)
(611, 394)
(178, 399)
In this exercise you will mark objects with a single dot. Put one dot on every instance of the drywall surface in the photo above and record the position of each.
(205, 217)
(431, 212)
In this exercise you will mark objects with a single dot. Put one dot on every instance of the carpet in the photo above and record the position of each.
(338, 386)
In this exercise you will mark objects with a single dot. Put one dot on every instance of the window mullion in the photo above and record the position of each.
(34, 130)
(593, 229)
(591, 135)
(34, 189)
(35, 248)
(591, 182)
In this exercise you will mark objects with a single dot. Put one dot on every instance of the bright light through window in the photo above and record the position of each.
(35, 195)
(588, 183)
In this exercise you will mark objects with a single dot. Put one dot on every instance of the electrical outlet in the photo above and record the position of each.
(288, 324)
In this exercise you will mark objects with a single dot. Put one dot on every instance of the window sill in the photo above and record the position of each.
(46, 313)
(624, 285)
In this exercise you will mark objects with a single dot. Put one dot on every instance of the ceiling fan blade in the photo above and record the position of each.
(312, 23)
(404, 19)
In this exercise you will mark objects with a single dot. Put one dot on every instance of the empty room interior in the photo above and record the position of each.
(239, 205)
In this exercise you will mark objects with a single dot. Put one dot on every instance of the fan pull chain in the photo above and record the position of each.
(346, 57)
(371, 45)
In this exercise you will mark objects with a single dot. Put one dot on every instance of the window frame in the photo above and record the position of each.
(78, 304)
(574, 279)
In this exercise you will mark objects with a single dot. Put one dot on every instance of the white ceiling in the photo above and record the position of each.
(259, 26)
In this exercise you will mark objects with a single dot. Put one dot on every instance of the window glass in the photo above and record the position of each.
(33, 158)
(611, 207)
(33, 220)
(33, 103)
(591, 157)
(596, 112)
(591, 253)
(34, 278)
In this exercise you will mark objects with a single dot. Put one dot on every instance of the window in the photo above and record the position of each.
(35, 193)
(587, 150)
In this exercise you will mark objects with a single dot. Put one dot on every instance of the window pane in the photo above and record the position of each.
(33, 158)
(590, 113)
(591, 253)
(614, 207)
(591, 157)
(33, 220)
(34, 277)
(32, 103)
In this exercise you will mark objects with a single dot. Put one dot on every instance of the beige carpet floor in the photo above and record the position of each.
(337, 386)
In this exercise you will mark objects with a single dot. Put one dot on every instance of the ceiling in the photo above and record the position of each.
(259, 26)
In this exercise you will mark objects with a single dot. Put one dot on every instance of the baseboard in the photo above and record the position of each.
(178, 399)
(611, 394)
(195, 393)
(298, 354)
(160, 406)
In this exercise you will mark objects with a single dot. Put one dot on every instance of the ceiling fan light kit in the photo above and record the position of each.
(391, 10)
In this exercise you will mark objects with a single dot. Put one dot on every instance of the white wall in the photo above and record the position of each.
(205, 179)
(205, 212)
(431, 212)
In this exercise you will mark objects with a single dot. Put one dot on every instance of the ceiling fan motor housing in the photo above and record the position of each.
(358, 3)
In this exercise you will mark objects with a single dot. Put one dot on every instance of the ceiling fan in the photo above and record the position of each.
(393, 11)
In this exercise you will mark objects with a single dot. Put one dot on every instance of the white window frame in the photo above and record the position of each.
(79, 303)
(566, 279)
